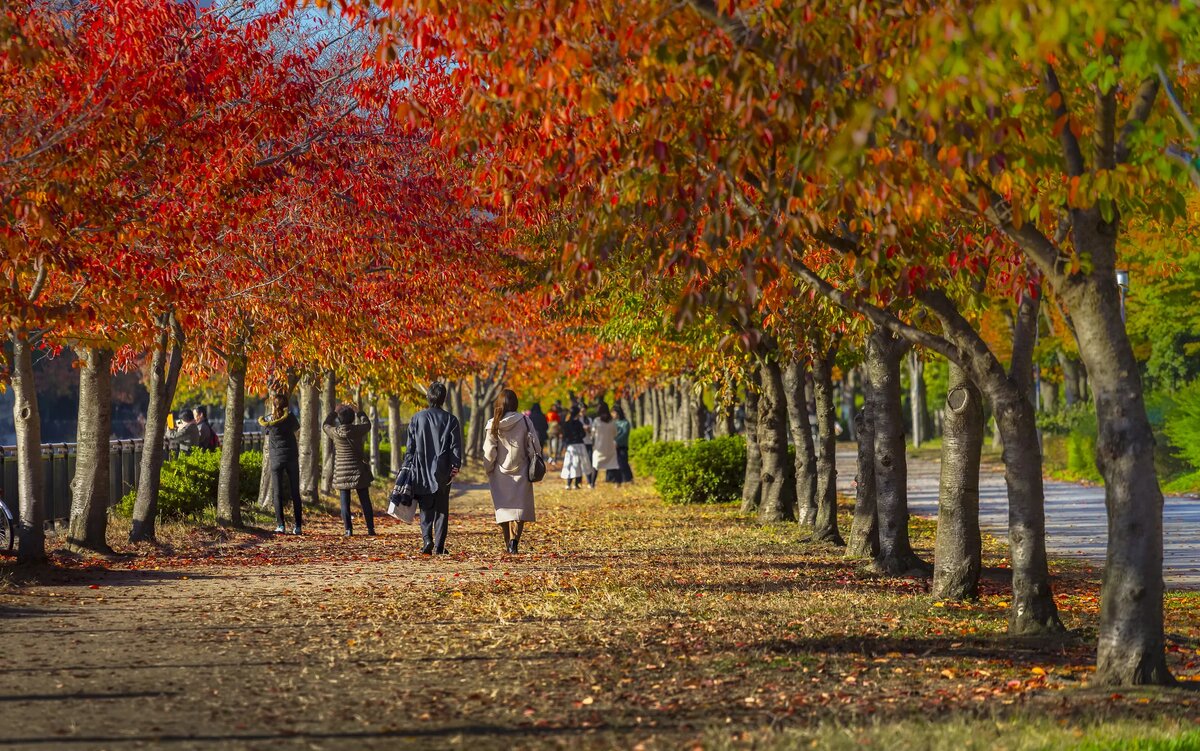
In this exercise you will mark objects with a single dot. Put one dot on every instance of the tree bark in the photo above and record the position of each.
(394, 441)
(846, 391)
(864, 530)
(89, 488)
(1131, 597)
(229, 496)
(825, 526)
(1072, 370)
(794, 377)
(31, 534)
(639, 405)
(373, 440)
(164, 378)
(698, 414)
(328, 405)
(310, 439)
(752, 485)
(896, 555)
(778, 495)
(958, 549)
(917, 398)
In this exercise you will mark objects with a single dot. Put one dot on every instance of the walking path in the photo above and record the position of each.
(1075, 516)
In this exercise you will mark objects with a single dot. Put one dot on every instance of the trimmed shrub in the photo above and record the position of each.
(647, 458)
(702, 471)
(639, 437)
(189, 484)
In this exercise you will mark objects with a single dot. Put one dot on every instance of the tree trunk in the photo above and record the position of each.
(752, 485)
(394, 440)
(794, 377)
(896, 555)
(698, 413)
(164, 377)
(89, 488)
(310, 439)
(864, 531)
(229, 496)
(31, 534)
(825, 526)
(639, 406)
(684, 416)
(846, 391)
(778, 495)
(1049, 395)
(917, 399)
(1072, 371)
(373, 440)
(266, 481)
(1131, 597)
(328, 405)
(958, 549)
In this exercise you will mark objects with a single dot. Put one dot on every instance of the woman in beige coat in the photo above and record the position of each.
(509, 443)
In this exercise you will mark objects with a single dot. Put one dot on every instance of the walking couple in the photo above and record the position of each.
(434, 456)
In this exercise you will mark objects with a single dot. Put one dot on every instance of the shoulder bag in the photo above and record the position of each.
(537, 463)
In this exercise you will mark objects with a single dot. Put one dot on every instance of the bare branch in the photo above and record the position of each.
(1143, 102)
(1062, 121)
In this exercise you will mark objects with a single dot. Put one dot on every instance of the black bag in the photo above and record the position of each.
(537, 463)
(402, 491)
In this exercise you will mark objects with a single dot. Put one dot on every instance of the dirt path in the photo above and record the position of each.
(627, 623)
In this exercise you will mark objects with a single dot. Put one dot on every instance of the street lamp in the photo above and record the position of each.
(1123, 288)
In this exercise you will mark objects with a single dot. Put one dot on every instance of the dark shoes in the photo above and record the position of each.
(427, 549)
(512, 546)
(296, 529)
(349, 533)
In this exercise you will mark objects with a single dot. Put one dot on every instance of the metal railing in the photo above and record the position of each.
(58, 466)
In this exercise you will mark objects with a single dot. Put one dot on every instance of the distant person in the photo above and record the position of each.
(510, 442)
(208, 437)
(577, 461)
(185, 436)
(541, 424)
(435, 452)
(347, 427)
(624, 472)
(554, 421)
(604, 441)
(283, 450)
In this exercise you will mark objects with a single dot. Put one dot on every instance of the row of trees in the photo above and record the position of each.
(804, 177)
(246, 193)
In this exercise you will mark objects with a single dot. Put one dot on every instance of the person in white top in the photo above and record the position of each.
(509, 444)
(604, 442)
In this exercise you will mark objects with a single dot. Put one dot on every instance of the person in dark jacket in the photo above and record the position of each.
(185, 436)
(208, 437)
(540, 424)
(351, 470)
(434, 453)
(281, 427)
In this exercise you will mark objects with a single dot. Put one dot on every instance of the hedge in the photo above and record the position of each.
(189, 484)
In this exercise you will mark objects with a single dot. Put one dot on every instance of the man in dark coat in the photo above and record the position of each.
(434, 452)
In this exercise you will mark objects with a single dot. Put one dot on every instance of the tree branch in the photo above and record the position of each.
(1104, 141)
(1062, 121)
(1139, 111)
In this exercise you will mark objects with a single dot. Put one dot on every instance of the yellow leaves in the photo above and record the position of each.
(1038, 671)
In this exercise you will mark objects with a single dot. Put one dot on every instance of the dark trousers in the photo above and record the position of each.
(435, 509)
(289, 472)
(364, 500)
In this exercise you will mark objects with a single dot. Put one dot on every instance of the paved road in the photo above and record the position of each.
(1075, 520)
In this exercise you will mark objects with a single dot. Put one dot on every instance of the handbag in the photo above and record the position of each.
(402, 492)
(537, 463)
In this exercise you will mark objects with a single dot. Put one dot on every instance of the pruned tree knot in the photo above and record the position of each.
(958, 399)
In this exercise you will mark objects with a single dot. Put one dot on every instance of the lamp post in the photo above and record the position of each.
(1123, 288)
